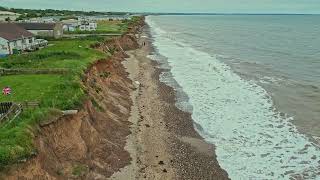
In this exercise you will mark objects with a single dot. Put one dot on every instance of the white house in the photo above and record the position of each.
(14, 38)
(69, 27)
(70, 24)
(88, 26)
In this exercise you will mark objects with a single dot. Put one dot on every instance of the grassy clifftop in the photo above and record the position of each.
(52, 91)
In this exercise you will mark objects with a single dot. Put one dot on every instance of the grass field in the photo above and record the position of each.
(111, 26)
(72, 54)
(52, 91)
(25, 88)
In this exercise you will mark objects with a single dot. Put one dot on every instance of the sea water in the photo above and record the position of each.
(252, 84)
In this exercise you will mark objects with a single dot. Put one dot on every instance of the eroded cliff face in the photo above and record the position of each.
(90, 144)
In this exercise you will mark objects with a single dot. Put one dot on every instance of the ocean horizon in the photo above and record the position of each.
(231, 14)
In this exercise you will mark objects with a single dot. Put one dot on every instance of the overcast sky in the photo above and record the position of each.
(211, 6)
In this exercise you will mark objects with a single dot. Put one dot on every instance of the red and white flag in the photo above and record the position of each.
(6, 91)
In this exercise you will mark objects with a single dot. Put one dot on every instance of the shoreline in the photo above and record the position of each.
(164, 143)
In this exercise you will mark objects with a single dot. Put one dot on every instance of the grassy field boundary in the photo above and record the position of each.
(6, 72)
(12, 113)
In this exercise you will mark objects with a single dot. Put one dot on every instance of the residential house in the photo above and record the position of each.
(70, 24)
(44, 29)
(13, 38)
(69, 27)
(88, 26)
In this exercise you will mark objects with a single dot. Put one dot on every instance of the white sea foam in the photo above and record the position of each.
(253, 140)
(270, 80)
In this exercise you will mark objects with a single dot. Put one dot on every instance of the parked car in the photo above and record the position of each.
(40, 43)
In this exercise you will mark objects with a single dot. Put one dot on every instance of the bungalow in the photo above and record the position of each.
(69, 27)
(88, 26)
(14, 38)
(44, 29)
(70, 24)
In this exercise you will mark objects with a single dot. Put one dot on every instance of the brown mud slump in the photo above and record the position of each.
(90, 144)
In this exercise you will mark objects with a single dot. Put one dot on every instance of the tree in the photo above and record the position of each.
(21, 17)
(3, 8)
(7, 19)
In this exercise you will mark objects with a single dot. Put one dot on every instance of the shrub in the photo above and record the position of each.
(79, 170)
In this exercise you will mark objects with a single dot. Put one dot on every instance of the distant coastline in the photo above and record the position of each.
(231, 14)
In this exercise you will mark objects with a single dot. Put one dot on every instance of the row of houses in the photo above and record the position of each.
(21, 36)
(17, 37)
(55, 19)
(81, 23)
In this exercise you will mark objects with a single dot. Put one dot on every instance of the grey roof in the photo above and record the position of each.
(37, 26)
(11, 32)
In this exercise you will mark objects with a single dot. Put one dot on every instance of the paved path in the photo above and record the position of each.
(84, 35)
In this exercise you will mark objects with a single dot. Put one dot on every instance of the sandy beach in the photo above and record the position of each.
(163, 143)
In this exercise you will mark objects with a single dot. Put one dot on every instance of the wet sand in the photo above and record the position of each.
(163, 143)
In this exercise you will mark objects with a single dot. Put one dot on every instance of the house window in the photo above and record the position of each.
(30, 41)
(3, 47)
(15, 43)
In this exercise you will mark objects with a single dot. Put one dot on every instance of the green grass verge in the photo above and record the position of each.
(114, 26)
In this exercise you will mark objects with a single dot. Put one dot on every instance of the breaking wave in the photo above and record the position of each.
(253, 140)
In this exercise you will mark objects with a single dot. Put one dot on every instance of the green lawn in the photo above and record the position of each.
(73, 54)
(25, 88)
(111, 26)
(48, 90)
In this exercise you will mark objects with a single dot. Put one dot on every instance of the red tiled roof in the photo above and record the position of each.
(11, 32)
